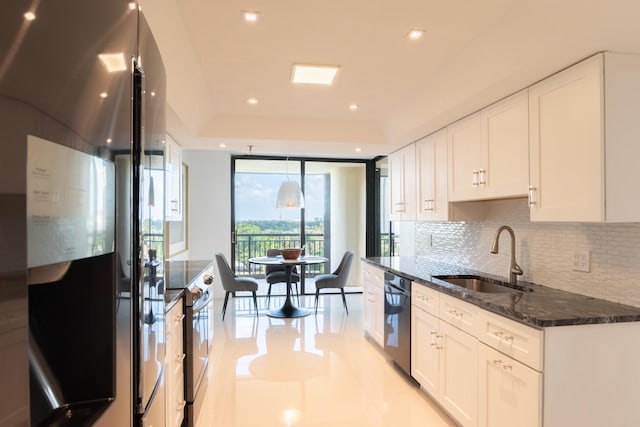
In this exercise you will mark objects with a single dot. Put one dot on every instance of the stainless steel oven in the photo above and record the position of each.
(197, 302)
(397, 315)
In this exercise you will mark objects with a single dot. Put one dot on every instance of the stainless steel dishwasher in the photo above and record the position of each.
(397, 316)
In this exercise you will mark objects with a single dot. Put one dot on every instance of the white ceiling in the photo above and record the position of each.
(473, 53)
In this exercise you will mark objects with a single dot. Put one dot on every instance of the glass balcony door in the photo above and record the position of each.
(257, 224)
(331, 222)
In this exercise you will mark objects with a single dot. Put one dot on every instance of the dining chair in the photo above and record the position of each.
(335, 280)
(232, 283)
(276, 274)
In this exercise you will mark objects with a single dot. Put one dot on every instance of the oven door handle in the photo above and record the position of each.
(202, 302)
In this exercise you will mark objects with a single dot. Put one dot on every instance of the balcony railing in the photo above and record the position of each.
(250, 245)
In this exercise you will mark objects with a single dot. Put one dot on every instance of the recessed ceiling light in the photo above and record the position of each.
(252, 101)
(113, 61)
(103, 95)
(353, 107)
(415, 34)
(153, 93)
(109, 140)
(29, 16)
(250, 16)
(358, 150)
(222, 145)
(132, 5)
(314, 74)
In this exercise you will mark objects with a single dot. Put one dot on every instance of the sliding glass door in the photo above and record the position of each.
(331, 222)
(258, 224)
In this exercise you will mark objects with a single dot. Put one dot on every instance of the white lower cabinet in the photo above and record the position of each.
(175, 366)
(459, 374)
(440, 361)
(425, 351)
(373, 293)
(487, 370)
(510, 393)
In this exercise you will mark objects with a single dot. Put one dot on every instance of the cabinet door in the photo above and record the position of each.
(510, 392)
(173, 172)
(373, 302)
(465, 158)
(378, 310)
(425, 350)
(369, 299)
(505, 132)
(431, 171)
(402, 184)
(175, 367)
(374, 314)
(566, 145)
(459, 374)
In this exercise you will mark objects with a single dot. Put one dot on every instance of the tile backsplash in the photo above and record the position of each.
(545, 251)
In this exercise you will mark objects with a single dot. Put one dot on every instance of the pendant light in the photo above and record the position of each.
(289, 194)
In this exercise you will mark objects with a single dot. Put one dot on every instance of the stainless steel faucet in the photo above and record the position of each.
(514, 268)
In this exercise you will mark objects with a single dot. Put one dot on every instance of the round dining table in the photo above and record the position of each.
(288, 309)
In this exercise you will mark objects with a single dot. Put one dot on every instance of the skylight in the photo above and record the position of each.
(314, 74)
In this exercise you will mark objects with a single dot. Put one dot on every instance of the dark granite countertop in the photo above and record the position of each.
(179, 274)
(540, 308)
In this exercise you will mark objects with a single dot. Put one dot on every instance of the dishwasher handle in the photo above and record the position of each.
(397, 289)
(399, 283)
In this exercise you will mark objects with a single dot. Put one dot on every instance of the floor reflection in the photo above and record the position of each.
(310, 371)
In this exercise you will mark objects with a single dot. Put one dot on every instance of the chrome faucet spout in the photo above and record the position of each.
(514, 268)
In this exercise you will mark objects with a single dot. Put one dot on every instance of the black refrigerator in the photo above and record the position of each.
(82, 114)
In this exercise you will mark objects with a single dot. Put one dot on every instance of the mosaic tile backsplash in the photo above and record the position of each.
(545, 251)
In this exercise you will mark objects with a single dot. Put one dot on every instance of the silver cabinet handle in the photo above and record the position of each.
(434, 340)
(502, 336)
(499, 363)
(531, 201)
(483, 177)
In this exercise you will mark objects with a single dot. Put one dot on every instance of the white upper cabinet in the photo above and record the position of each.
(465, 158)
(402, 177)
(488, 152)
(173, 171)
(431, 165)
(584, 133)
(505, 136)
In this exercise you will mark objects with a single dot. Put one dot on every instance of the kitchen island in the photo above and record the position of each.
(535, 357)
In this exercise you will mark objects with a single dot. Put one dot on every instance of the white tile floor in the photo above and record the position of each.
(311, 371)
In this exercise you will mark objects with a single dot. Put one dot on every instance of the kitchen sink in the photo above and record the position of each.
(482, 284)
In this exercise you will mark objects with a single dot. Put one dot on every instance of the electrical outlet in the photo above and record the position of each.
(582, 260)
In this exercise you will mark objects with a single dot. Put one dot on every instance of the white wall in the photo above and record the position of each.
(348, 205)
(209, 209)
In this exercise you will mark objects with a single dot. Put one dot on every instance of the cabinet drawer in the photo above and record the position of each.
(425, 298)
(460, 314)
(371, 273)
(514, 339)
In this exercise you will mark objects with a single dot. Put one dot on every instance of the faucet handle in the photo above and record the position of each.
(516, 269)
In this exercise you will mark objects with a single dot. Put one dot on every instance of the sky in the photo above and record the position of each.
(256, 197)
